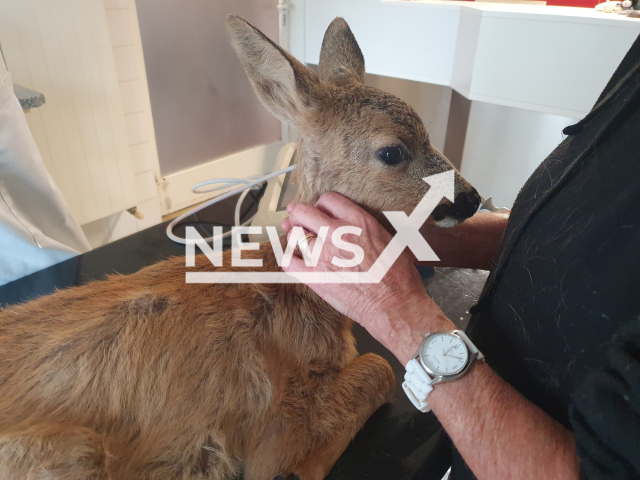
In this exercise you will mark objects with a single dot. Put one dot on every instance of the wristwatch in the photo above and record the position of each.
(441, 357)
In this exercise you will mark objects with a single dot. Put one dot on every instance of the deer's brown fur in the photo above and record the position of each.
(147, 377)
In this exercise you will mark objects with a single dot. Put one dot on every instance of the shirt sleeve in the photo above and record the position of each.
(605, 412)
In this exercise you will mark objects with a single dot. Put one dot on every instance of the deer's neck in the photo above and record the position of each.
(311, 182)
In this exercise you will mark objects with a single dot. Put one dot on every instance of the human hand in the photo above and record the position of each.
(397, 311)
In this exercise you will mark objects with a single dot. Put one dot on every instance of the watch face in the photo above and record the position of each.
(444, 354)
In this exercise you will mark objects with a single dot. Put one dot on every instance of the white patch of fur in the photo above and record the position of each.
(448, 222)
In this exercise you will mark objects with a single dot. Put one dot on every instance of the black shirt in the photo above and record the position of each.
(559, 318)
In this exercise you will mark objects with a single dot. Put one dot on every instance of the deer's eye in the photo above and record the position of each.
(391, 155)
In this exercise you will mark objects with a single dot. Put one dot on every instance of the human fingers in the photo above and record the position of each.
(304, 244)
(286, 225)
(338, 206)
(309, 217)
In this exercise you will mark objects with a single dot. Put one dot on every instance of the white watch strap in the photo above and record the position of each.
(472, 348)
(417, 385)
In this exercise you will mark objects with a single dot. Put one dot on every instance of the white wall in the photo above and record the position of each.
(132, 81)
(503, 147)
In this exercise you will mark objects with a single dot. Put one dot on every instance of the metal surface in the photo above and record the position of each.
(203, 105)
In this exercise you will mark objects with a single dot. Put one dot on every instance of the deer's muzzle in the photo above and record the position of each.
(465, 205)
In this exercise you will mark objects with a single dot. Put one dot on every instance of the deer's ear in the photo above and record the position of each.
(285, 87)
(341, 60)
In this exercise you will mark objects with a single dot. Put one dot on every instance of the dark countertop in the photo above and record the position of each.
(397, 443)
(28, 98)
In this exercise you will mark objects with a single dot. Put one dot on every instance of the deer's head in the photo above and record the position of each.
(355, 140)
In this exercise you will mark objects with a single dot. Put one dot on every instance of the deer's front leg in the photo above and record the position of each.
(310, 434)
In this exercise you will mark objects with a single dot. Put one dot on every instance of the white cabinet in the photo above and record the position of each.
(548, 59)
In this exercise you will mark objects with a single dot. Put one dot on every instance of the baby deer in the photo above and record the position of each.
(147, 377)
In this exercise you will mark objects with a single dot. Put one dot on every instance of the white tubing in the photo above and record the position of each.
(226, 181)
(236, 216)
(224, 196)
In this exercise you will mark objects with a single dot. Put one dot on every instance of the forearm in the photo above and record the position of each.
(497, 431)
(473, 244)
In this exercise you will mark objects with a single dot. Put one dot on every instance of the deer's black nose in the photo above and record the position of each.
(465, 205)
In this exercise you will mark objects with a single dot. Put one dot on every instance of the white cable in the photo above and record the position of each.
(226, 181)
(236, 217)
(224, 196)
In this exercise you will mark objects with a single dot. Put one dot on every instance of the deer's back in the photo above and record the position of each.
(145, 351)
(117, 342)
